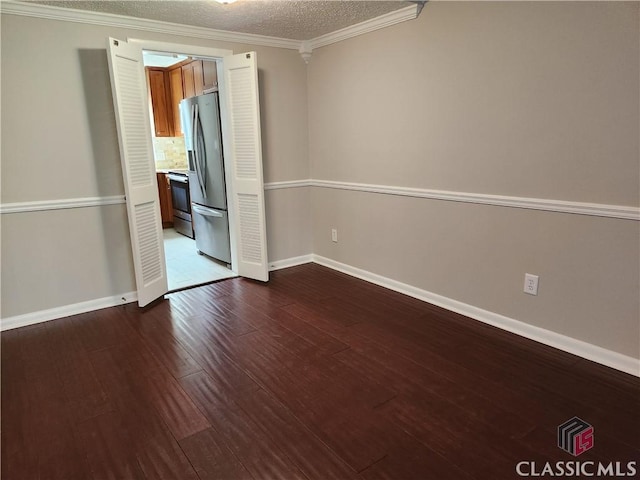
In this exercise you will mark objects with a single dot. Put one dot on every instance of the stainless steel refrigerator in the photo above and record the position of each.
(200, 117)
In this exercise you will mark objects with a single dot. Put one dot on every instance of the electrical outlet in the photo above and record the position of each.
(530, 284)
(334, 235)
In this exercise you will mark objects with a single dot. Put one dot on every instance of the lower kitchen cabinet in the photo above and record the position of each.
(166, 205)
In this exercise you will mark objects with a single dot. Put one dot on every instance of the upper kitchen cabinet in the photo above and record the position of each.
(176, 94)
(199, 76)
(160, 101)
(193, 78)
(168, 86)
(210, 76)
(189, 80)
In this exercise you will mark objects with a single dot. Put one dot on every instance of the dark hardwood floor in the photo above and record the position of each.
(316, 375)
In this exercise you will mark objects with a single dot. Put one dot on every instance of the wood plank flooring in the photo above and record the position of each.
(316, 375)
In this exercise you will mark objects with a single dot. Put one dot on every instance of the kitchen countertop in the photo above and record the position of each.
(169, 170)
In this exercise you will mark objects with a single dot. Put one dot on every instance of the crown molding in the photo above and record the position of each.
(304, 47)
(397, 16)
(8, 7)
(305, 51)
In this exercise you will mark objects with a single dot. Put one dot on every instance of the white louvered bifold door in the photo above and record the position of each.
(245, 150)
(138, 169)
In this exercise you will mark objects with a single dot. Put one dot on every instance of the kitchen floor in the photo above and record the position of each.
(185, 268)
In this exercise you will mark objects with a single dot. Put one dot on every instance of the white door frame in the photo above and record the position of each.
(217, 54)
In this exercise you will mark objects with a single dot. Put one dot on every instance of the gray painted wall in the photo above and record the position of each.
(59, 142)
(528, 99)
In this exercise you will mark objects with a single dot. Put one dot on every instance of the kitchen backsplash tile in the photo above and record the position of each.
(169, 153)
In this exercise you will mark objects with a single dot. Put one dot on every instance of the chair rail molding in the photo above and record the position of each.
(622, 212)
(42, 205)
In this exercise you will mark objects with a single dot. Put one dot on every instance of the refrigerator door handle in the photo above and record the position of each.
(193, 125)
(190, 145)
(202, 158)
(196, 149)
(207, 212)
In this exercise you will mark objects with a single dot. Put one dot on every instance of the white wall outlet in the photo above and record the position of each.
(334, 235)
(530, 284)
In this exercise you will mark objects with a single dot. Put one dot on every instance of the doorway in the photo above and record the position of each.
(240, 132)
(171, 78)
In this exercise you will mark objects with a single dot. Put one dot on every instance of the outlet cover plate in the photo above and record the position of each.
(531, 284)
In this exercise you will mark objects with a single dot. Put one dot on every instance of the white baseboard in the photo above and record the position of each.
(65, 311)
(32, 318)
(290, 262)
(582, 349)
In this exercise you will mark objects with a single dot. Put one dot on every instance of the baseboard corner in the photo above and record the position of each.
(290, 262)
(562, 342)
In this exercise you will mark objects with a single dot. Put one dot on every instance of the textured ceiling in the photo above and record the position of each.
(293, 19)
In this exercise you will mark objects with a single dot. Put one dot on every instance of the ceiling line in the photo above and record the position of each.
(304, 47)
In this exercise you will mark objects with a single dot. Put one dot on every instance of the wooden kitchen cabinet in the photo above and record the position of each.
(198, 76)
(188, 85)
(168, 86)
(193, 79)
(160, 101)
(210, 75)
(177, 94)
(166, 205)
